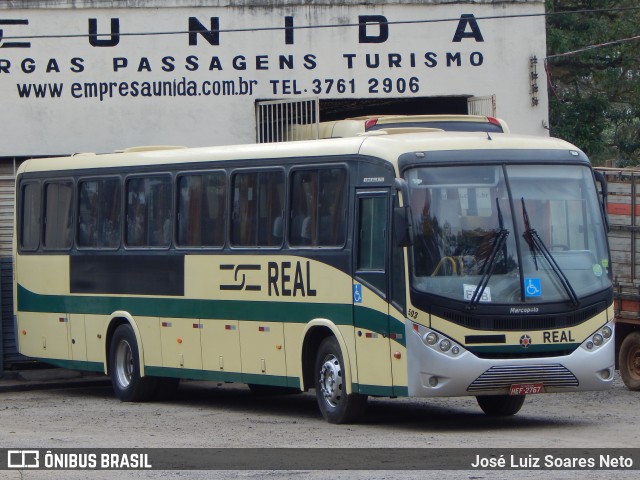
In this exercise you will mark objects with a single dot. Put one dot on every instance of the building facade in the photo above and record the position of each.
(98, 75)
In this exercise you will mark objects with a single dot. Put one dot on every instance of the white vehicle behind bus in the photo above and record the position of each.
(351, 127)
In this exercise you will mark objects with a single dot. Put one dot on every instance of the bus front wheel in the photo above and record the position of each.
(124, 367)
(629, 361)
(500, 405)
(331, 390)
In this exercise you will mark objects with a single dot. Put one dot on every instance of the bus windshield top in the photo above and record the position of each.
(507, 234)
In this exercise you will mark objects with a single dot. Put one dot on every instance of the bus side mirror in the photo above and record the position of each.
(402, 226)
(604, 193)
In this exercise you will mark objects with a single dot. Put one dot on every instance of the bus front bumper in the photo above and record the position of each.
(434, 373)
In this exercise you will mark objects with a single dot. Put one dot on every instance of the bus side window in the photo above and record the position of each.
(58, 233)
(149, 212)
(30, 216)
(99, 213)
(332, 207)
(318, 214)
(257, 202)
(302, 202)
(201, 206)
(271, 207)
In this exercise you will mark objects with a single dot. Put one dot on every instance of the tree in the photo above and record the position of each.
(595, 91)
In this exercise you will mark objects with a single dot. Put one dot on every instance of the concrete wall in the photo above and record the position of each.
(67, 91)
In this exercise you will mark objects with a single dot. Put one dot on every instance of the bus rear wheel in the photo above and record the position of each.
(500, 405)
(124, 367)
(629, 361)
(331, 390)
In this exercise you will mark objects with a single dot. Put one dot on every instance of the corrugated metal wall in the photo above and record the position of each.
(9, 350)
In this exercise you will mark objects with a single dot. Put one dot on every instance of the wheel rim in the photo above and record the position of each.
(634, 363)
(124, 363)
(331, 381)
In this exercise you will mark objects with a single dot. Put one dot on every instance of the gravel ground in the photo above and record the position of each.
(210, 415)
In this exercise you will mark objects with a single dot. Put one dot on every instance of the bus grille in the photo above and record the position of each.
(496, 378)
(523, 322)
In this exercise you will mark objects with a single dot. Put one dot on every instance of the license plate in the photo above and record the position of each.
(526, 388)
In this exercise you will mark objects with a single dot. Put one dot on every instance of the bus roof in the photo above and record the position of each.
(384, 145)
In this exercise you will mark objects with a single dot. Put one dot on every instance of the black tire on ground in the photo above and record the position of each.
(124, 367)
(500, 405)
(629, 361)
(331, 389)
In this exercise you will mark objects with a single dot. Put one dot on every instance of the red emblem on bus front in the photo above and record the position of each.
(525, 341)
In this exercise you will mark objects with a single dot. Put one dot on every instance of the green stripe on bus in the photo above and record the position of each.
(285, 312)
(372, 320)
(380, 323)
(381, 391)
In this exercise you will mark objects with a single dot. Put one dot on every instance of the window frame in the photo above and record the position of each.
(125, 210)
(345, 208)
(226, 212)
(21, 210)
(121, 213)
(230, 205)
(43, 213)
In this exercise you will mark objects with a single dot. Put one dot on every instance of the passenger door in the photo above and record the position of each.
(371, 292)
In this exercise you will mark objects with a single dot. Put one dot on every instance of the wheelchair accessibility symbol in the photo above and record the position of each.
(357, 293)
(532, 287)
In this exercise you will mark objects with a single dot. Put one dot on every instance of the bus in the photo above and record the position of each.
(390, 265)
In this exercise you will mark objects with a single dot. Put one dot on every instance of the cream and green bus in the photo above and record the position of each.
(415, 264)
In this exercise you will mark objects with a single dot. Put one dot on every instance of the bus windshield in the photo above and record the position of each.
(507, 234)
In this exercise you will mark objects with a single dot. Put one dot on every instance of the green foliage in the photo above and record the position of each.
(595, 93)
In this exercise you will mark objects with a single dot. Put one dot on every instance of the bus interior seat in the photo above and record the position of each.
(301, 230)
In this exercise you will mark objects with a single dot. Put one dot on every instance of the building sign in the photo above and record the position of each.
(100, 79)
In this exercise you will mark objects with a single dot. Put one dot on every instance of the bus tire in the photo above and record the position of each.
(629, 361)
(331, 390)
(124, 367)
(500, 405)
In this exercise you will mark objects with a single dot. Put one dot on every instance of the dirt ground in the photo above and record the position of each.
(208, 415)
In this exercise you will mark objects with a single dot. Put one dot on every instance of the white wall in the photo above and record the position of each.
(250, 62)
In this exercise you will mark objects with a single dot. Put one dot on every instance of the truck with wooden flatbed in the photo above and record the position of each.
(623, 208)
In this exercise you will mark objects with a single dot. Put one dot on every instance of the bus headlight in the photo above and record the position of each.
(431, 338)
(437, 341)
(599, 338)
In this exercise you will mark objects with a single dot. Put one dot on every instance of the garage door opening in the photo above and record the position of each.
(461, 105)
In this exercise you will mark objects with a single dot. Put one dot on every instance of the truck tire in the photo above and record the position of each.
(629, 361)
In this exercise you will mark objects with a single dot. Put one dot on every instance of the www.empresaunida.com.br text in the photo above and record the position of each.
(144, 89)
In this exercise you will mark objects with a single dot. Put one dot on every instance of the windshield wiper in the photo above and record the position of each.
(537, 245)
(489, 265)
